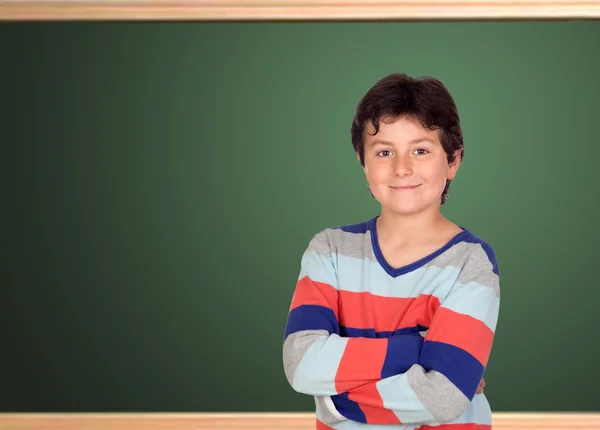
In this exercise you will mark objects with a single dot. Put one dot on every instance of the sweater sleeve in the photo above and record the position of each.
(440, 387)
(317, 360)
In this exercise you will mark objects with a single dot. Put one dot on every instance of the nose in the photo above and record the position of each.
(403, 165)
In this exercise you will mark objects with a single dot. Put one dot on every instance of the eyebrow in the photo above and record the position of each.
(412, 142)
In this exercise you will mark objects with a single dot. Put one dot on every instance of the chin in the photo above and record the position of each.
(407, 208)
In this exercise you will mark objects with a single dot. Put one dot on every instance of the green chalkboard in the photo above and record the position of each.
(161, 181)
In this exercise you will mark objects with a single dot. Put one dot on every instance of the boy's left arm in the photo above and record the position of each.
(440, 387)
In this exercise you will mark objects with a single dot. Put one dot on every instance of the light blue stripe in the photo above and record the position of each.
(317, 369)
(317, 268)
(353, 425)
(477, 301)
(360, 275)
(398, 396)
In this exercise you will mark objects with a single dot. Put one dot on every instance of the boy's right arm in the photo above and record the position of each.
(317, 360)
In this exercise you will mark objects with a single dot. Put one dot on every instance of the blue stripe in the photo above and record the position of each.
(311, 317)
(403, 352)
(460, 367)
(348, 408)
(364, 332)
(371, 333)
(353, 228)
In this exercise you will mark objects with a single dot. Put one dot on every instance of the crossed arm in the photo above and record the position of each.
(399, 379)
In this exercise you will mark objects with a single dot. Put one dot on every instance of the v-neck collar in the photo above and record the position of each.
(395, 272)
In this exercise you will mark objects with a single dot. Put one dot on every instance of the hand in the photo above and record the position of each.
(480, 388)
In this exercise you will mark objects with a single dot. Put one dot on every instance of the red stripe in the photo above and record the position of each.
(466, 426)
(309, 292)
(462, 331)
(366, 310)
(323, 426)
(371, 403)
(361, 362)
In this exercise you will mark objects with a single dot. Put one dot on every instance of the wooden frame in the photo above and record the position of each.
(296, 9)
(282, 10)
(263, 421)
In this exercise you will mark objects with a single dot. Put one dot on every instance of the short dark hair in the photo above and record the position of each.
(425, 99)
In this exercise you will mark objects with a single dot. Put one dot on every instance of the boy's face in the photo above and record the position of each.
(405, 154)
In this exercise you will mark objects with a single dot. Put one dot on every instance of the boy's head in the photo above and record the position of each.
(406, 132)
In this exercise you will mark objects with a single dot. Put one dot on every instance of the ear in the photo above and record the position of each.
(453, 167)
(363, 167)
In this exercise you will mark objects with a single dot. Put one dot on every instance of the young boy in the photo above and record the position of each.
(392, 319)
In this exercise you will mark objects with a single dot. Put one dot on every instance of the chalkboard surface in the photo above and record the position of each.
(161, 181)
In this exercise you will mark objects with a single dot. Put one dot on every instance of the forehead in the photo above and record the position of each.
(401, 130)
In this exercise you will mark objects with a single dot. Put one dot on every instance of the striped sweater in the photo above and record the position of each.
(400, 349)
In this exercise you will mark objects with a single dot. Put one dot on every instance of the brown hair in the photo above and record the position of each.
(425, 99)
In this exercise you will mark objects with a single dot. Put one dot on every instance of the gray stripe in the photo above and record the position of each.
(357, 245)
(484, 277)
(440, 397)
(318, 244)
(457, 256)
(479, 268)
(473, 263)
(326, 416)
(295, 347)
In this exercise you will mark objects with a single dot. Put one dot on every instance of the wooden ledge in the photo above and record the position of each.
(255, 421)
(295, 9)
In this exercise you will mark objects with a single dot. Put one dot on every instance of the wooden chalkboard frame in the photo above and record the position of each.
(265, 421)
(283, 10)
(286, 10)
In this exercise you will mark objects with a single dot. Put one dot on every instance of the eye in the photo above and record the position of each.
(380, 152)
(422, 149)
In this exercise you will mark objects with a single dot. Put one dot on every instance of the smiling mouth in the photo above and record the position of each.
(411, 187)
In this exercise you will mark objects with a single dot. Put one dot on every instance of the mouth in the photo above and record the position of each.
(405, 188)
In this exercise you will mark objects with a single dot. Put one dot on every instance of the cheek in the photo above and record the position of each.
(377, 176)
(436, 173)
(376, 172)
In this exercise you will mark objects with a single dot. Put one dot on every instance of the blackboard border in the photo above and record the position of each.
(296, 10)
(266, 421)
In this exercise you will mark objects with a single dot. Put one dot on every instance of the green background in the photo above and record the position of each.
(160, 182)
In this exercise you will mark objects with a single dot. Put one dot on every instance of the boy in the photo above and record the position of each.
(392, 319)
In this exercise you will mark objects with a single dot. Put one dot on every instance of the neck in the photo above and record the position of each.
(407, 230)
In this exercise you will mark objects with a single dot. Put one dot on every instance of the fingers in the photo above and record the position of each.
(480, 388)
